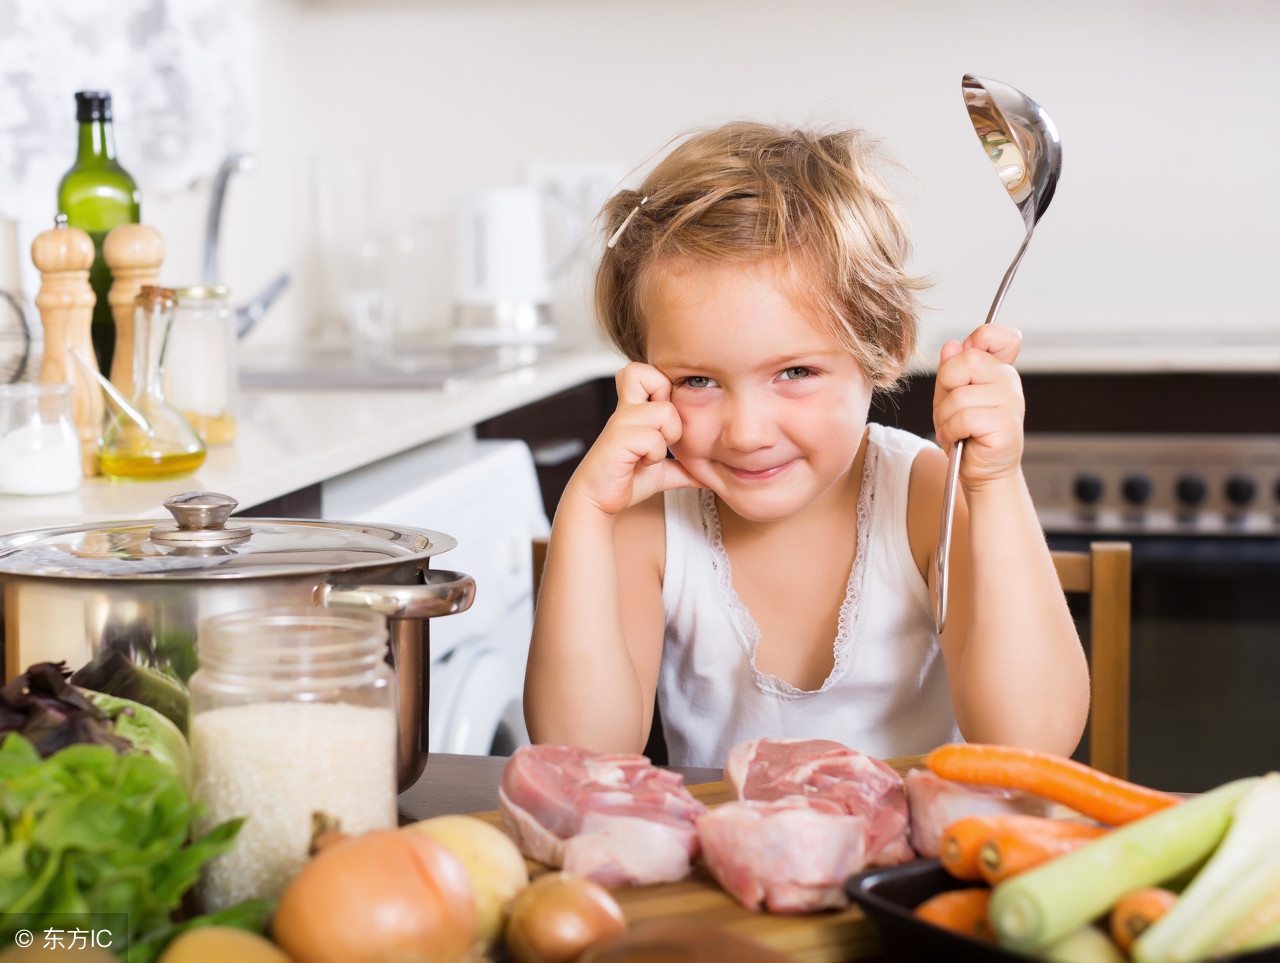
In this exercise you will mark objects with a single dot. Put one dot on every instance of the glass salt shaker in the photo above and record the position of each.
(293, 724)
(203, 376)
(39, 445)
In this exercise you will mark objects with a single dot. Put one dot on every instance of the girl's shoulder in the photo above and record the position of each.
(924, 460)
(900, 441)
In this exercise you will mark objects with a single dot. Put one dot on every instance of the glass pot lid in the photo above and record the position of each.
(203, 541)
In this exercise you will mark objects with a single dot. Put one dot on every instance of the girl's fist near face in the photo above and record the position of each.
(628, 462)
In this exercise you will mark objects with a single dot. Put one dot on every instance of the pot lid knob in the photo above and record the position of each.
(201, 518)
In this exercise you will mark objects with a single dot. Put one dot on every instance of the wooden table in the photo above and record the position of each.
(469, 784)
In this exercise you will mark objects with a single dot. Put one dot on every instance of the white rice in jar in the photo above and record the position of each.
(276, 763)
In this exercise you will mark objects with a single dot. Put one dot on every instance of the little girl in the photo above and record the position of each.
(739, 539)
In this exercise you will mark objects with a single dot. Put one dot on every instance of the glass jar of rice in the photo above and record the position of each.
(293, 721)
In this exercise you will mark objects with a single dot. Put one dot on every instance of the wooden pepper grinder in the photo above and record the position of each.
(134, 253)
(64, 256)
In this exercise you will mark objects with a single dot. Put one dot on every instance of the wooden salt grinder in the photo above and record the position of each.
(134, 253)
(64, 256)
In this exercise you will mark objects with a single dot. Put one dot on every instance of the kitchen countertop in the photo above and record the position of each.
(1210, 349)
(290, 439)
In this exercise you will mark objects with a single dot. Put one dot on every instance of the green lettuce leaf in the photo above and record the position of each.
(91, 831)
(148, 731)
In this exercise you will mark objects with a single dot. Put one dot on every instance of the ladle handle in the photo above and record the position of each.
(944, 537)
(1008, 278)
(943, 555)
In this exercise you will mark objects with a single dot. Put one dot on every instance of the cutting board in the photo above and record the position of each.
(809, 937)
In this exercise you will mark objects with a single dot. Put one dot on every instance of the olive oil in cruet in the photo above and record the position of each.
(150, 439)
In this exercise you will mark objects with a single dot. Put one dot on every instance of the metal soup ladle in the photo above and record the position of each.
(1023, 146)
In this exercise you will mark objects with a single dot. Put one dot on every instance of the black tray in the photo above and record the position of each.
(889, 897)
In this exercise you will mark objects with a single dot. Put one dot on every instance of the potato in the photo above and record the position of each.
(219, 944)
(497, 870)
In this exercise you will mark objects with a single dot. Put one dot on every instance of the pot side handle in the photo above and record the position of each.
(445, 593)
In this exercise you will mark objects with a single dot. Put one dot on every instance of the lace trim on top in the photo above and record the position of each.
(850, 610)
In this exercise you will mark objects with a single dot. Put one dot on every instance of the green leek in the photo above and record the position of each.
(1263, 938)
(1260, 929)
(1087, 944)
(1039, 907)
(1240, 876)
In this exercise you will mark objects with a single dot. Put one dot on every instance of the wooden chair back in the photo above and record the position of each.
(1104, 574)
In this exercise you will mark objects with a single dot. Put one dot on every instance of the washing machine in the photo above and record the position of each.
(485, 494)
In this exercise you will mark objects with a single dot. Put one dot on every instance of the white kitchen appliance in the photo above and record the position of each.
(486, 492)
(502, 280)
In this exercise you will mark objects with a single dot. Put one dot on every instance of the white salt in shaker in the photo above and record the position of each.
(39, 444)
(293, 714)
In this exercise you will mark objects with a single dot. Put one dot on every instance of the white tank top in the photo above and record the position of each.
(887, 694)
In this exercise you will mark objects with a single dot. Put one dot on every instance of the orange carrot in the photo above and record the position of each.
(1088, 791)
(1029, 841)
(1137, 910)
(960, 844)
(960, 849)
(962, 911)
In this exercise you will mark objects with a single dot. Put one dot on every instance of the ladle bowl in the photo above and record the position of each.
(1023, 146)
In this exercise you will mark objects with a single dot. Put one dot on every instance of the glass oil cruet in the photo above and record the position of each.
(149, 438)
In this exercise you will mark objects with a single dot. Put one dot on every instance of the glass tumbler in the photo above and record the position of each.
(293, 727)
(39, 445)
(201, 371)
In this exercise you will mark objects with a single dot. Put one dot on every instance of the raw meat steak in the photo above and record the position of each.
(615, 818)
(819, 769)
(790, 855)
(936, 803)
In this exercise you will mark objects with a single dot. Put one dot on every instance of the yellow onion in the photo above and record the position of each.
(557, 916)
(381, 897)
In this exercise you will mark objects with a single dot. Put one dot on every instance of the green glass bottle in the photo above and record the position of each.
(96, 194)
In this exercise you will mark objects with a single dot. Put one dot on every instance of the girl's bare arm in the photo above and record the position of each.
(597, 635)
(1017, 669)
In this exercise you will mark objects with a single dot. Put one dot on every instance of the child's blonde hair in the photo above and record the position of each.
(746, 192)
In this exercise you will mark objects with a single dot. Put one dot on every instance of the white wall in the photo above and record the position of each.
(1165, 217)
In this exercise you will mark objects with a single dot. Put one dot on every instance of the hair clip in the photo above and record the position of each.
(623, 226)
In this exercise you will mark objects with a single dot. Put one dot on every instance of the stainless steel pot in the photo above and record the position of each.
(122, 603)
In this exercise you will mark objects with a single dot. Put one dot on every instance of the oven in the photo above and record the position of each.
(1200, 513)
(1186, 468)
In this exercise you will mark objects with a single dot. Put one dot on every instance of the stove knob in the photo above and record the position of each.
(1240, 490)
(1191, 490)
(1136, 489)
(1088, 489)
